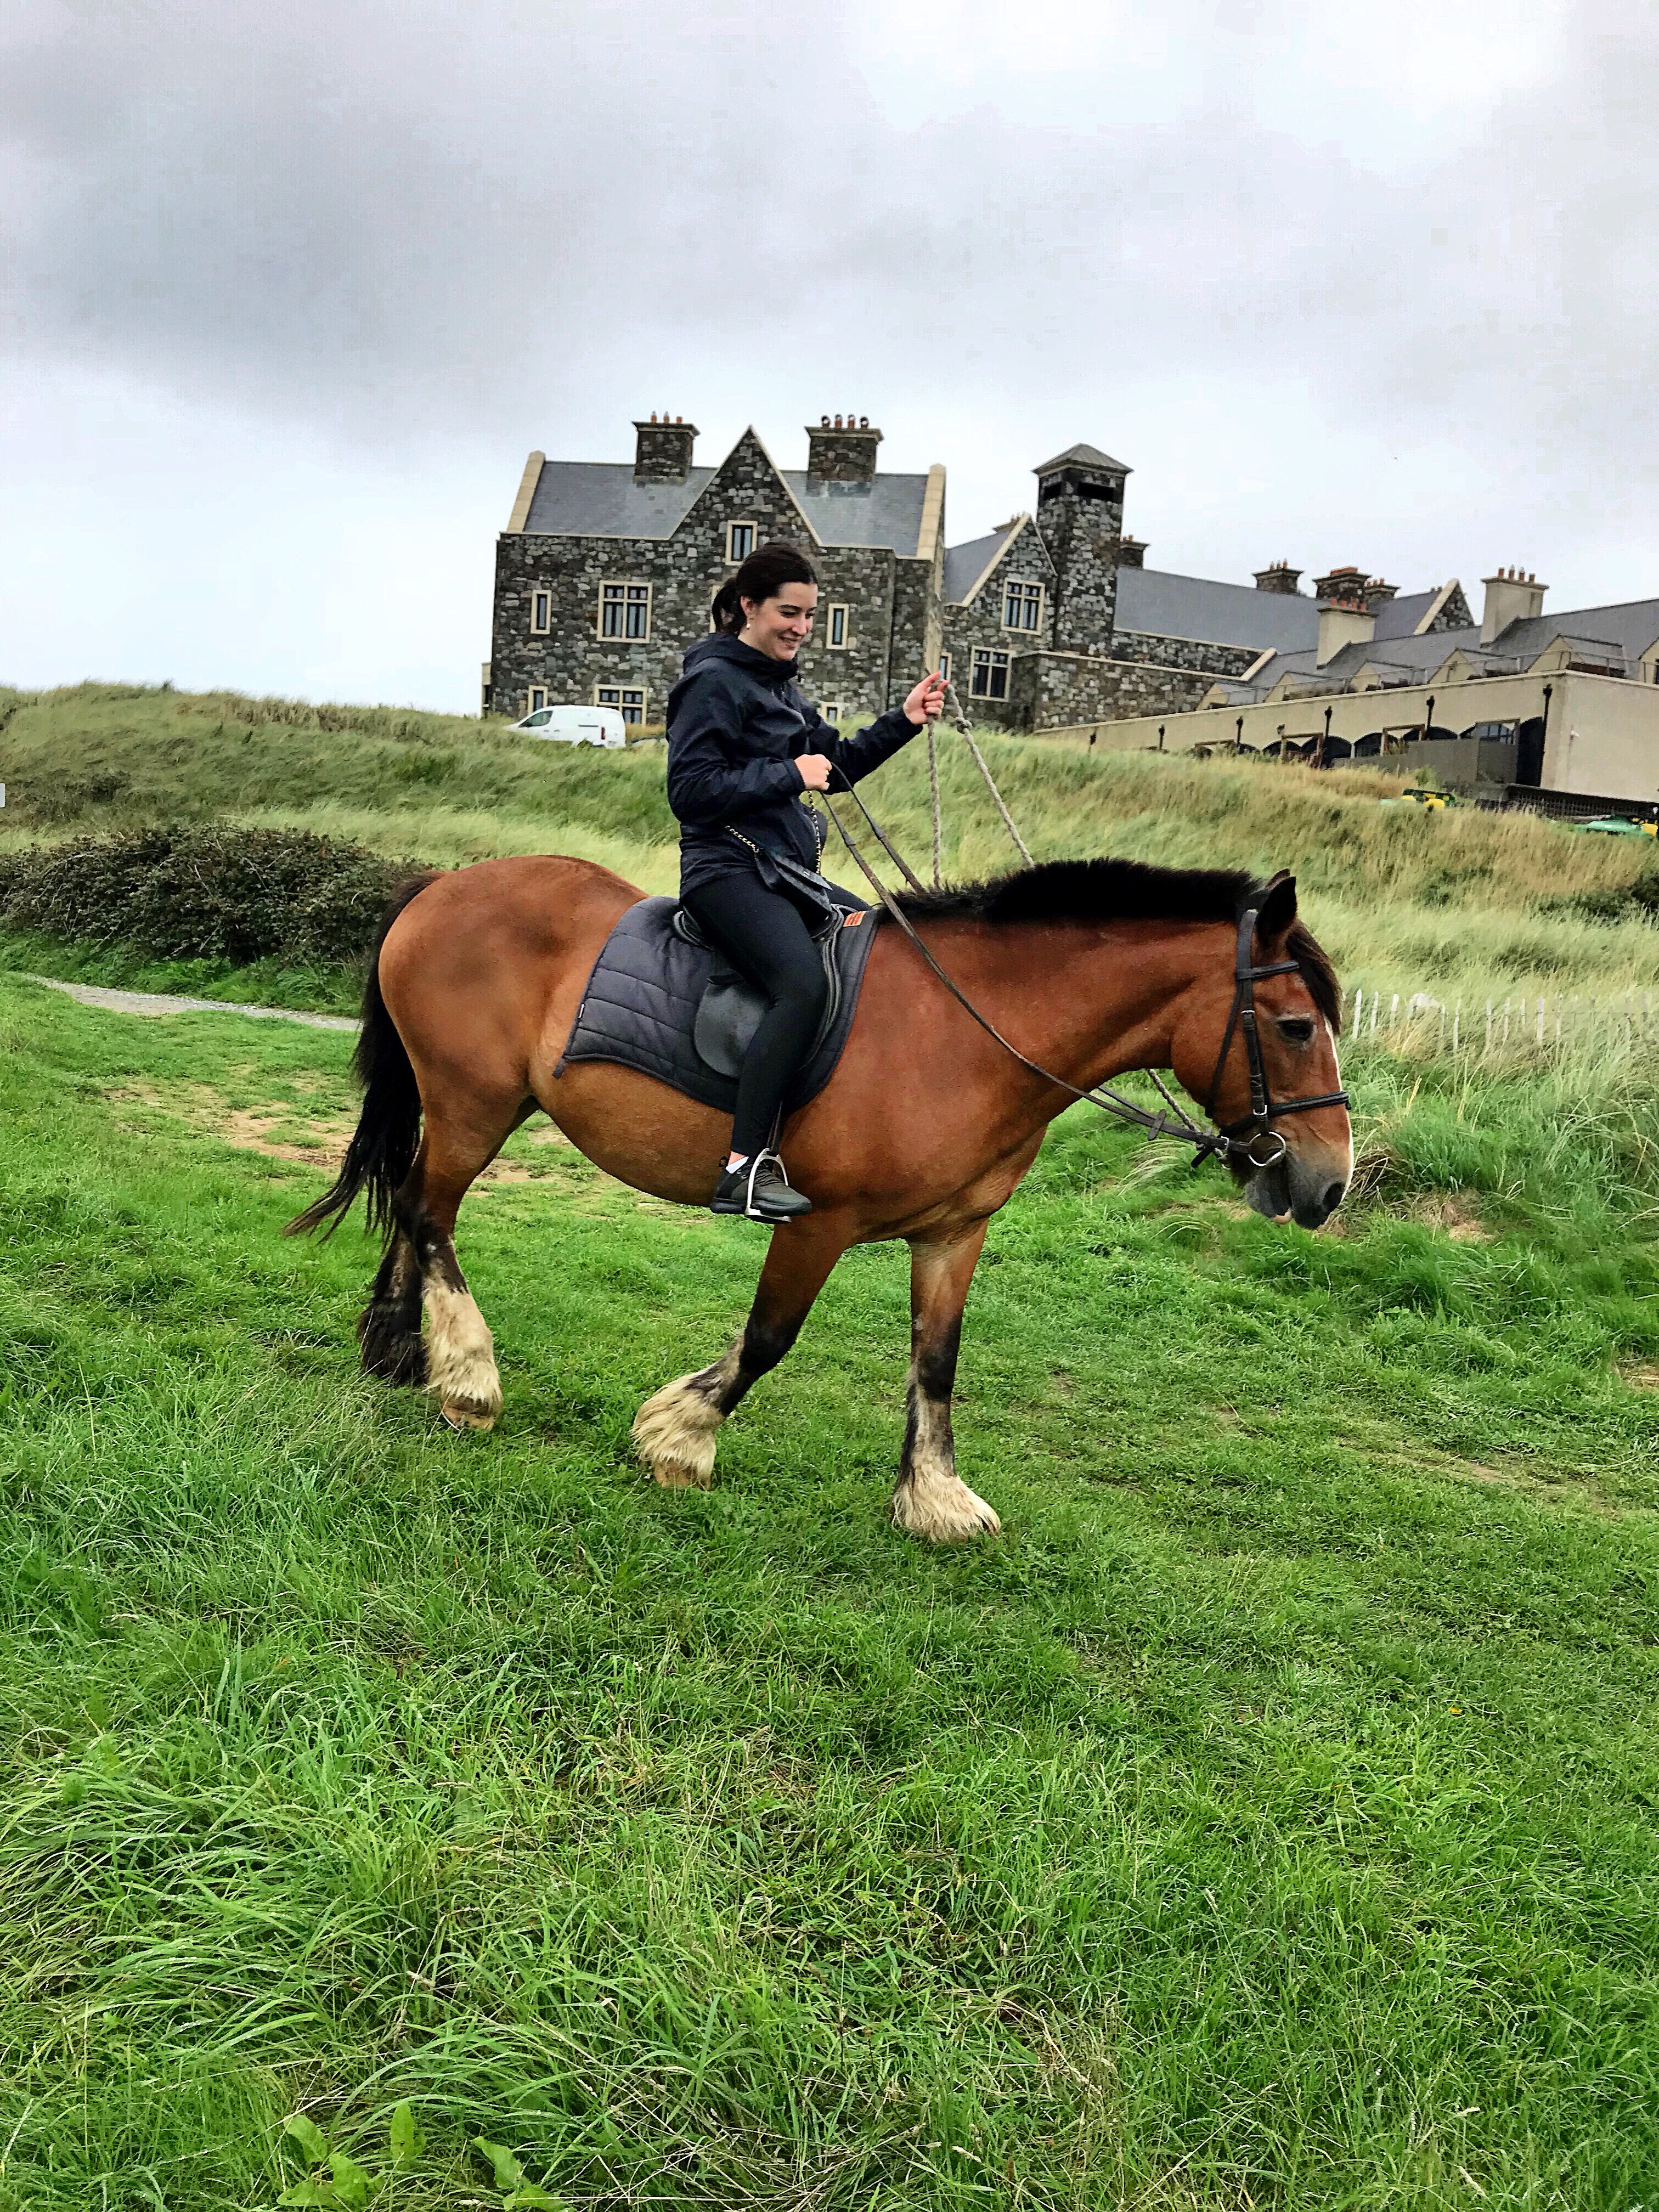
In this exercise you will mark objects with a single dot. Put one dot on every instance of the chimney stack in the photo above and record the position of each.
(1343, 621)
(662, 449)
(841, 451)
(1280, 578)
(1131, 552)
(1512, 595)
(1347, 583)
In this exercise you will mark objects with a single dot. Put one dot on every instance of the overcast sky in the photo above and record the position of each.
(287, 294)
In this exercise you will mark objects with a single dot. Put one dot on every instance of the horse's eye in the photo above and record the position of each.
(1296, 1028)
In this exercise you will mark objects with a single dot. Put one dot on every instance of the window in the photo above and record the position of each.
(832, 710)
(629, 698)
(541, 612)
(1022, 605)
(739, 540)
(990, 678)
(835, 633)
(625, 610)
(944, 666)
(537, 700)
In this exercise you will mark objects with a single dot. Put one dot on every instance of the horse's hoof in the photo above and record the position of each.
(674, 1434)
(468, 1417)
(942, 1509)
(675, 1474)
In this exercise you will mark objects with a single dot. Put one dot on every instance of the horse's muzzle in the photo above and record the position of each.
(1308, 1193)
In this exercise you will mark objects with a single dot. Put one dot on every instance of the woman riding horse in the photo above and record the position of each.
(743, 749)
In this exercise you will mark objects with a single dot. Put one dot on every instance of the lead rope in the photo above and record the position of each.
(966, 730)
(933, 789)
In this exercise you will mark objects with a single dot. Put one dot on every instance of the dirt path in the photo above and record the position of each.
(160, 1002)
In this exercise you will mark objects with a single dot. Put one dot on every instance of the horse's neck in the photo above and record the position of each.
(1088, 1003)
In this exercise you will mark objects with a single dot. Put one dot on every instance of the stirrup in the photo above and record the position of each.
(798, 1203)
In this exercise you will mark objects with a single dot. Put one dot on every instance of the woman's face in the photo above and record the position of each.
(780, 627)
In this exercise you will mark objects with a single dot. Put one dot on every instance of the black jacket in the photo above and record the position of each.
(736, 725)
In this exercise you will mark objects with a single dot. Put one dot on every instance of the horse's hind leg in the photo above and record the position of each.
(389, 1326)
(460, 1352)
(674, 1431)
(931, 1498)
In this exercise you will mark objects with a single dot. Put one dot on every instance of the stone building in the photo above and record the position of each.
(605, 572)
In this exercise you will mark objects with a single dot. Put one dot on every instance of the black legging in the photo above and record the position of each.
(763, 936)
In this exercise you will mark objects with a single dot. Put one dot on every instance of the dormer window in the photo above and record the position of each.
(1022, 605)
(739, 540)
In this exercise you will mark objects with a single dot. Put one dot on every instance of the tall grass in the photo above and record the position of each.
(1457, 902)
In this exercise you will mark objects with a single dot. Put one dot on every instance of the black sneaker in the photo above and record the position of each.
(759, 1190)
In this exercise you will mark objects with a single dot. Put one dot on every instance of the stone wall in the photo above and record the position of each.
(1187, 653)
(1054, 690)
(915, 627)
(685, 571)
(978, 623)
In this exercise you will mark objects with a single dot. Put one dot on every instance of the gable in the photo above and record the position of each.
(969, 567)
(747, 486)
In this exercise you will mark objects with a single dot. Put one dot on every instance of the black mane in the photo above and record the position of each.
(1121, 890)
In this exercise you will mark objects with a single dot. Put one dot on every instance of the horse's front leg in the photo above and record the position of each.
(931, 1498)
(674, 1431)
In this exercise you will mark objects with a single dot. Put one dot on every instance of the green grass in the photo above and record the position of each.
(1267, 1820)
(1457, 903)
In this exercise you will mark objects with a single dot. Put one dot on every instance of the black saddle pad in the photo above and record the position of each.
(640, 1008)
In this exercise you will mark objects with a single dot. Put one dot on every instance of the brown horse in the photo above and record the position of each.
(925, 1129)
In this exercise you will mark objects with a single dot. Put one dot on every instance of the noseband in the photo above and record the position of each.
(1253, 1136)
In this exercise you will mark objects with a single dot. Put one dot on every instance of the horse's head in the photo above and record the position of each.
(1298, 1169)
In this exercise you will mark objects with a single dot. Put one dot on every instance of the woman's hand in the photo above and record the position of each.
(813, 769)
(927, 702)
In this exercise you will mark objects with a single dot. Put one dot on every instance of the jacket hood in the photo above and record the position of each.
(720, 645)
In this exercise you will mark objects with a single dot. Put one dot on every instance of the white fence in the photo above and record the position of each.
(1421, 1022)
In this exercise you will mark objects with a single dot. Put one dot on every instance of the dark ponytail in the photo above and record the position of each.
(762, 576)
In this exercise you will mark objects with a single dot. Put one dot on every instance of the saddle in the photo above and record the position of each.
(660, 999)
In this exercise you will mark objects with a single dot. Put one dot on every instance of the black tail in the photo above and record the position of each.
(388, 1133)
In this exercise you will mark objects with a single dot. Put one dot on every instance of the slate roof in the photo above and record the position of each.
(1166, 605)
(885, 511)
(600, 499)
(1399, 616)
(1621, 633)
(1630, 628)
(1090, 457)
(965, 564)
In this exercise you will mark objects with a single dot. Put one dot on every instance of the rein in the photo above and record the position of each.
(1237, 1141)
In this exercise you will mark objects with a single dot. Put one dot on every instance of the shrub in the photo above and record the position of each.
(207, 893)
(1632, 902)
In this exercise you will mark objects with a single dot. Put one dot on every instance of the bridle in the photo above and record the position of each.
(1264, 1112)
(1247, 1142)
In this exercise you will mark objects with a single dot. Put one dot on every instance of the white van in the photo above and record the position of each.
(576, 726)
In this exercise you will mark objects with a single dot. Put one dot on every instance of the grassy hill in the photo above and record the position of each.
(1461, 901)
(1265, 1819)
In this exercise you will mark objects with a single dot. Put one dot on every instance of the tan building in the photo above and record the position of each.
(1565, 706)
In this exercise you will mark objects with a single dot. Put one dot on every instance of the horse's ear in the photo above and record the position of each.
(1274, 916)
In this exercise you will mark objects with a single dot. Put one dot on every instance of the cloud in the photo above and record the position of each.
(1334, 292)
